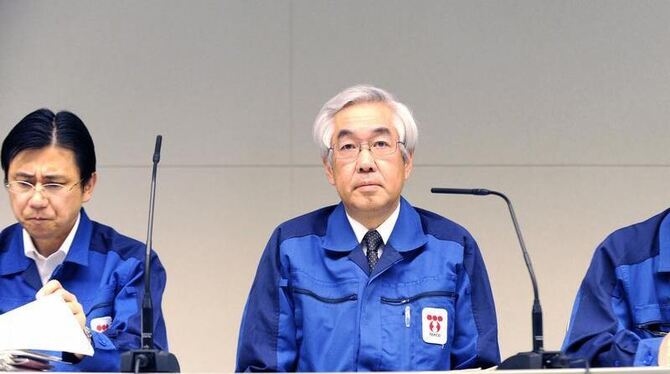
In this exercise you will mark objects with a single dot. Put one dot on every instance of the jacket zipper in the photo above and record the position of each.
(647, 327)
(407, 300)
(329, 300)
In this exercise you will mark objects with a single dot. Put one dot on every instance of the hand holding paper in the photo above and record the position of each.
(54, 287)
(45, 324)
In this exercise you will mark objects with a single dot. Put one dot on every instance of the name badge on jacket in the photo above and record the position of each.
(434, 325)
(101, 324)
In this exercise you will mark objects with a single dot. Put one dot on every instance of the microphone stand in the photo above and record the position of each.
(149, 359)
(538, 358)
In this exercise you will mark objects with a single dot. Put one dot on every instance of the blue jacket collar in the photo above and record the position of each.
(664, 244)
(407, 233)
(78, 253)
(14, 259)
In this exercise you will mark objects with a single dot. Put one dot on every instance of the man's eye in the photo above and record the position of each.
(381, 144)
(347, 147)
(52, 186)
(24, 185)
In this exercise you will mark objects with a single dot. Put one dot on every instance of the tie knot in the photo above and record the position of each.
(372, 240)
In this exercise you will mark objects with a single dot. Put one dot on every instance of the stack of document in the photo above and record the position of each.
(25, 361)
(46, 324)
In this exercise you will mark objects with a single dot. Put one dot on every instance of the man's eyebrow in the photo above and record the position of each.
(382, 130)
(343, 133)
(49, 177)
(23, 174)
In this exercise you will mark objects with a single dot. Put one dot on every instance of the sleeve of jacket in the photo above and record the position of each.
(600, 323)
(267, 340)
(476, 332)
(125, 330)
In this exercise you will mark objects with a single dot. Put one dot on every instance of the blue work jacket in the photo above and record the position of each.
(105, 270)
(314, 306)
(622, 309)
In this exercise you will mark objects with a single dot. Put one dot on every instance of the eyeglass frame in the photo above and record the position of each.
(33, 188)
(332, 150)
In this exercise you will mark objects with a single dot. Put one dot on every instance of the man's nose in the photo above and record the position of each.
(366, 162)
(37, 200)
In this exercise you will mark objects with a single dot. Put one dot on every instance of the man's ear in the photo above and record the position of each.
(89, 187)
(328, 168)
(409, 165)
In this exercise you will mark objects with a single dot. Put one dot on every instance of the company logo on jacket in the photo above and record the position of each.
(434, 325)
(101, 324)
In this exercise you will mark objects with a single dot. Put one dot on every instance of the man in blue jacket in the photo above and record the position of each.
(621, 315)
(373, 283)
(49, 171)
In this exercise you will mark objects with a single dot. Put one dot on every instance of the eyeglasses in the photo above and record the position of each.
(23, 188)
(347, 150)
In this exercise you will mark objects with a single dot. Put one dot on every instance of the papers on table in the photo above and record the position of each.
(45, 324)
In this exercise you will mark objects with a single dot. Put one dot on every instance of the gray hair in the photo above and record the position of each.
(403, 120)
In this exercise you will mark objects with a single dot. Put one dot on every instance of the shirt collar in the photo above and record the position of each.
(384, 229)
(406, 234)
(14, 260)
(30, 250)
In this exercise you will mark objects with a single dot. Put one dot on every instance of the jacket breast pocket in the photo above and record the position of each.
(325, 318)
(418, 327)
(102, 305)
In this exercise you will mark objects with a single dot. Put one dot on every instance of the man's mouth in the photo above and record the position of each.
(367, 185)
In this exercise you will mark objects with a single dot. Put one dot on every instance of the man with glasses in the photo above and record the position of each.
(370, 284)
(49, 171)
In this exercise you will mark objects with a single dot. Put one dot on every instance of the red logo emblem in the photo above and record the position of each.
(434, 324)
(101, 328)
(101, 324)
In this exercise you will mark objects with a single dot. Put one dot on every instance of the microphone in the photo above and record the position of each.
(149, 359)
(538, 358)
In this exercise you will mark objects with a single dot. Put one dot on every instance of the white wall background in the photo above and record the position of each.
(563, 105)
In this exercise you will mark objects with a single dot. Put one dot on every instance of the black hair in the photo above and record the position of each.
(43, 128)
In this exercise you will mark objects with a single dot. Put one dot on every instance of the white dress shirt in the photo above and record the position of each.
(47, 265)
(384, 230)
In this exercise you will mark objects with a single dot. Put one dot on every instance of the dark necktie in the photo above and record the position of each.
(373, 241)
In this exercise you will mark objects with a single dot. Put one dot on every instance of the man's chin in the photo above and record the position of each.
(38, 229)
(371, 204)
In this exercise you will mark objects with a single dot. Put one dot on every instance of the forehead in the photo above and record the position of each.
(48, 160)
(363, 120)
